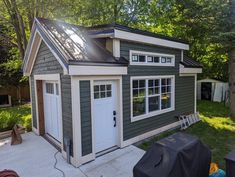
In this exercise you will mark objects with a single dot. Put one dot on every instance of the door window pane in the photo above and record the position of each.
(102, 87)
(102, 94)
(96, 95)
(96, 88)
(108, 94)
(50, 88)
(108, 87)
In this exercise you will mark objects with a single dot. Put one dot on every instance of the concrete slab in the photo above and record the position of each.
(35, 158)
(118, 163)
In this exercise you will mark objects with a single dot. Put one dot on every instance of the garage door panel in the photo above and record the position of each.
(52, 109)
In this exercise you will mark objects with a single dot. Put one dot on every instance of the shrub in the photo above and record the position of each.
(15, 115)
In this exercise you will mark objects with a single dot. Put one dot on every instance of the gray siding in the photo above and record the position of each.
(184, 91)
(85, 106)
(46, 63)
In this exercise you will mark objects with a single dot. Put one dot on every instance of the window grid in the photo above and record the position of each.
(102, 91)
(165, 83)
(138, 58)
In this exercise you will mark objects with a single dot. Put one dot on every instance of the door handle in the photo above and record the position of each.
(115, 122)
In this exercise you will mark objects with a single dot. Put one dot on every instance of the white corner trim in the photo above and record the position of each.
(150, 134)
(195, 93)
(116, 48)
(184, 70)
(92, 118)
(154, 113)
(151, 53)
(35, 130)
(149, 40)
(182, 55)
(72, 160)
(97, 70)
(76, 121)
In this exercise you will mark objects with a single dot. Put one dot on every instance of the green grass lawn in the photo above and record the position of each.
(216, 130)
(15, 115)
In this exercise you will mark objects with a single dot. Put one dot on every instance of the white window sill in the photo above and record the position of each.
(151, 114)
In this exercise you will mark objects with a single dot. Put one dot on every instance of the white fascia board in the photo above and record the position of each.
(97, 70)
(149, 40)
(184, 70)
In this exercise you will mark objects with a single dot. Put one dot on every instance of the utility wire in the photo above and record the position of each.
(56, 164)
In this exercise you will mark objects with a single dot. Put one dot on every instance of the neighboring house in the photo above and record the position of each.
(107, 86)
(212, 90)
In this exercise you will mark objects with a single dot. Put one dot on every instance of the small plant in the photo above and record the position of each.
(15, 115)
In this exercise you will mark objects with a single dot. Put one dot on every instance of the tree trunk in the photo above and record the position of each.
(232, 63)
(18, 24)
(232, 82)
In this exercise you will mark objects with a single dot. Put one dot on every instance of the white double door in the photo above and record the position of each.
(52, 112)
(105, 115)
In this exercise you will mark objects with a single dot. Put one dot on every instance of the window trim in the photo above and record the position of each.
(153, 113)
(131, 52)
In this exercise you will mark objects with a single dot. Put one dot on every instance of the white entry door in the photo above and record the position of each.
(52, 108)
(105, 115)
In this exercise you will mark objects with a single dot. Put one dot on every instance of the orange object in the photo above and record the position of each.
(213, 168)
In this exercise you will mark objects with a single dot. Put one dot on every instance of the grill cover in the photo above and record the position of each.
(179, 155)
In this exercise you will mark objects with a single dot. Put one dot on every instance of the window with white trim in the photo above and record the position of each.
(152, 96)
(148, 58)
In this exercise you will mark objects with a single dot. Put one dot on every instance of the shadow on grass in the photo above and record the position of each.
(212, 109)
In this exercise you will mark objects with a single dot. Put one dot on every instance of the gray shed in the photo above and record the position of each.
(212, 90)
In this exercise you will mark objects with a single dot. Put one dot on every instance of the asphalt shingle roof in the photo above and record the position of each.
(190, 63)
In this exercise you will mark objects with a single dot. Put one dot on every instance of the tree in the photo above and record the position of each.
(230, 38)
(18, 15)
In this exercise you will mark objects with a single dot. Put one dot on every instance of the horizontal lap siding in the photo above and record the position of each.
(85, 107)
(184, 91)
(46, 63)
